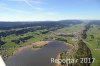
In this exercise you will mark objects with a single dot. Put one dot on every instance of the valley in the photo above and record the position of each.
(81, 37)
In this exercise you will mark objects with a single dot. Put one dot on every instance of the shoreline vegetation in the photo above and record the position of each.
(81, 36)
(59, 55)
(34, 45)
(79, 50)
(75, 53)
(15, 36)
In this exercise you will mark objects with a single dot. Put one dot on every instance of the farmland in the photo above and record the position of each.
(83, 37)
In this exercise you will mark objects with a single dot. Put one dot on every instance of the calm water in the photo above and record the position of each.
(41, 57)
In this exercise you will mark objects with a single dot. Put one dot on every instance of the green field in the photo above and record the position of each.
(9, 47)
(93, 44)
(62, 34)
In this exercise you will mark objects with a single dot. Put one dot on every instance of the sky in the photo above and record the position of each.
(42, 10)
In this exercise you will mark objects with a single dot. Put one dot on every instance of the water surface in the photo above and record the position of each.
(41, 57)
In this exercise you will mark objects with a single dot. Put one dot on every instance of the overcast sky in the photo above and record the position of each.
(36, 10)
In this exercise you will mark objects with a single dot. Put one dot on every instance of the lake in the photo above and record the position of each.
(41, 57)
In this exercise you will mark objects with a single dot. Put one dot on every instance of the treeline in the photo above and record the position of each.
(17, 41)
(16, 32)
(62, 39)
(14, 25)
(68, 22)
(26, 30)
(2, 43)
(48, 25)
(87, 27)
(66, 35)
(38, 26)
(95, 22)
(6, 33)
(83, 52)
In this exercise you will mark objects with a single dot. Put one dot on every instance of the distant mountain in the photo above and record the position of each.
(13, 25)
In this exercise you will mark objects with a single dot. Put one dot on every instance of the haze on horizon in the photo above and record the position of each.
(41, 10)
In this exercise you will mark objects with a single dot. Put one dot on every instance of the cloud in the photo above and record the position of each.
(34, 4)
(38, 2)
(28, 3)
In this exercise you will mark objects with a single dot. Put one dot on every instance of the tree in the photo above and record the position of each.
(92, 37)
(98, 42)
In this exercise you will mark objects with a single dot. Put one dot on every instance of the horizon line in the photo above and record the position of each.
(52, 20)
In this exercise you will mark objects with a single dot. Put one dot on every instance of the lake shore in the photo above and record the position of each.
(28, 57)
(59, 57)
(38, 44)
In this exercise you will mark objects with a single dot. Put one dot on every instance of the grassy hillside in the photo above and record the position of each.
(15, 35)
(93, 42)
(12, 39)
